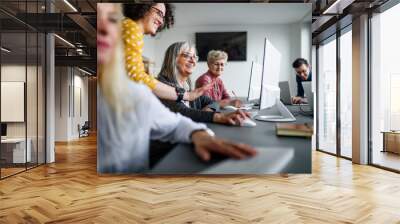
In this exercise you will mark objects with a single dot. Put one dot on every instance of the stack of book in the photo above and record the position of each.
(295, 130)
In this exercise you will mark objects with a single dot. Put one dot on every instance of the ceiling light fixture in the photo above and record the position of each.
(84, 71)
(328, 10)
(338, 7)
(70, 5)
(5, 50)
(65, 41)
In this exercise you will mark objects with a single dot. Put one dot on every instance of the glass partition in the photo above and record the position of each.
(22, 89)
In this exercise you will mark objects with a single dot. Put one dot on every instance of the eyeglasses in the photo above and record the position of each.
(159, 13)
(219, 64)
(188, 56)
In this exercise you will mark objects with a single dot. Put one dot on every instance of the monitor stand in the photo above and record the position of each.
(277, 113)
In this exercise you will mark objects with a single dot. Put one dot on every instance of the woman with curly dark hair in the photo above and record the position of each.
(148, 19)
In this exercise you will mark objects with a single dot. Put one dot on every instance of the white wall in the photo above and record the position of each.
(61, 103)
(285, 37)
(149, 47)
(69, 82)
(79, 117)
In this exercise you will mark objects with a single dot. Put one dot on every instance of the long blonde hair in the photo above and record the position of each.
(113, 79)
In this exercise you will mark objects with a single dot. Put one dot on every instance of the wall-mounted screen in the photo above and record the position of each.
(233, 43)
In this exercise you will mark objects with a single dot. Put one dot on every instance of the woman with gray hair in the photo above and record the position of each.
(179, 62)
(216, 61)
(130, 115)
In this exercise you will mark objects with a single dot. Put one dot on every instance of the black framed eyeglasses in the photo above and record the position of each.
(159, 13)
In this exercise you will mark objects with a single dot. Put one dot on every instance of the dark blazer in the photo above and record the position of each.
(195, 110)
(300, 89)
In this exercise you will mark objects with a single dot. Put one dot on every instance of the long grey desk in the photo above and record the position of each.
(276, 154)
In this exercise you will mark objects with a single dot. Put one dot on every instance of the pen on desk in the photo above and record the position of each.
(234, 94)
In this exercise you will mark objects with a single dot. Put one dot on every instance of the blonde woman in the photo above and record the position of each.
(216, 61)
(148, 19)
(129, 115)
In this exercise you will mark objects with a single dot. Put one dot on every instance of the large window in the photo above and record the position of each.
(333, 137)
(385, 89)
(327, 96)
(346, 93)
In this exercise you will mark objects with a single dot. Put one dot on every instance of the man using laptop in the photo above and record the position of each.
(303, 74)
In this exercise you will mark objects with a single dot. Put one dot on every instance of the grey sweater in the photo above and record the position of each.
(123, 147)
(195, 111)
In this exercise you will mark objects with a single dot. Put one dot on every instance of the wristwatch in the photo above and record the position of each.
(180, 92)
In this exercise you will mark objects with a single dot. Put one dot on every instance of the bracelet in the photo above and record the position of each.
(180, 92)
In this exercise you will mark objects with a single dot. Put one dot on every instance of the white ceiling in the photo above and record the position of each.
(197, 14)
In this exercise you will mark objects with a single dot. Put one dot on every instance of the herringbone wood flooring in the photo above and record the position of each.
(70, 191)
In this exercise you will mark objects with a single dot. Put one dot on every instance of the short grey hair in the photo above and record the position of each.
(169, 67)
(215, 55)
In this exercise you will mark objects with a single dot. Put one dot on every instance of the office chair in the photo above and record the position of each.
(84, 130)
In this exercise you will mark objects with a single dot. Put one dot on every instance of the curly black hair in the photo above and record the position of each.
(137, 11)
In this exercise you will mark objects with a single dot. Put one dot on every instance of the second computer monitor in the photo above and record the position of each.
(270, 91)
(255, 82)
(308, 94)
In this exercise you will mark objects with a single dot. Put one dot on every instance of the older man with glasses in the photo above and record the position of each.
(216, 61)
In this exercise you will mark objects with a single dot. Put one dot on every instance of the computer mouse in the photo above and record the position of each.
(230, 108)
(246, 108)
(248, 123)
(233, 108)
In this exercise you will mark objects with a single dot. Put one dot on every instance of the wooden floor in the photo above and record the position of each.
(10, 171)
(70, 191)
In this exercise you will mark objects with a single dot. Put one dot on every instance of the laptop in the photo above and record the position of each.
(286, 96)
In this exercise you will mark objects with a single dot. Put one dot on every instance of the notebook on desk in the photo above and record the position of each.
(295, 130)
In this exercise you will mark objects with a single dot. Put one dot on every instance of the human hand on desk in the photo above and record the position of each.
(205, 144)
(236, 103)
(297, 100)
(226, 102)
(233, 118)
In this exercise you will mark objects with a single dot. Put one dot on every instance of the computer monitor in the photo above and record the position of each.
(271, 108)
(308, 94)
(255, 82)
(270, 75)
(3, 129)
